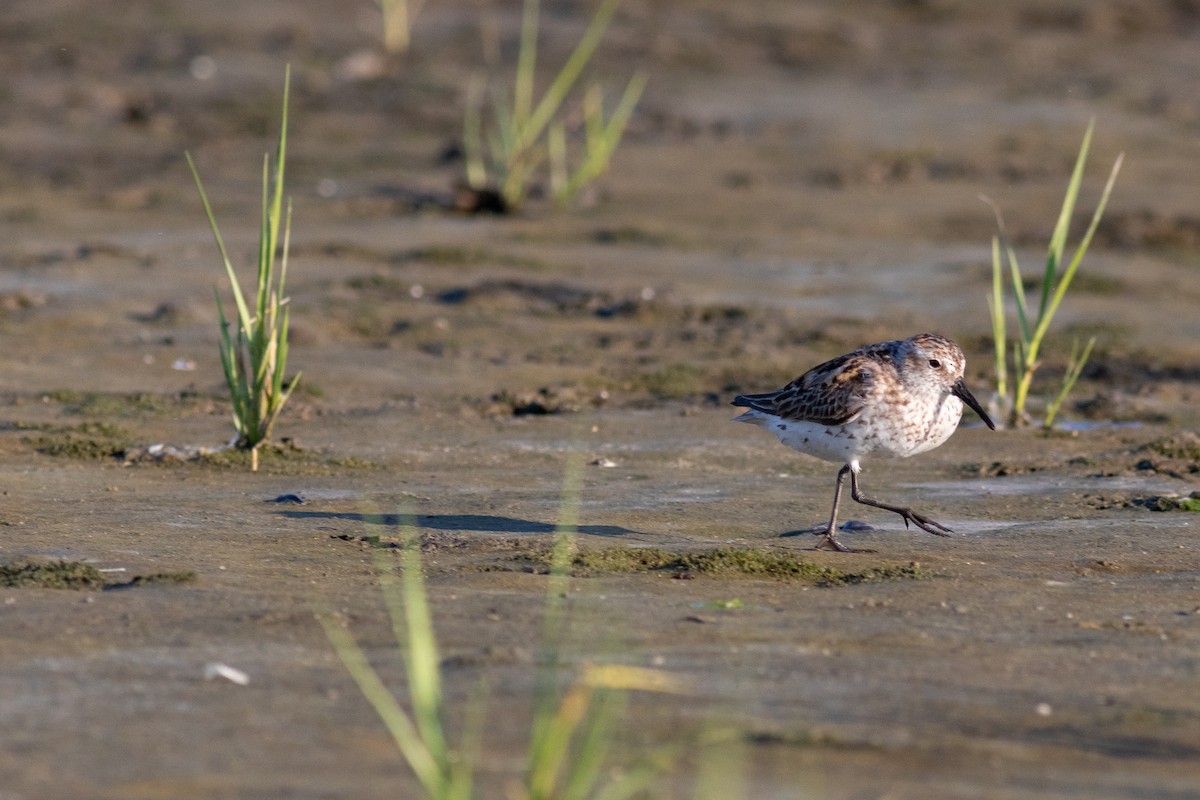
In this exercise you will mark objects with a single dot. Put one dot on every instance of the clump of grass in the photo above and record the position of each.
(725, 562)
(51, 575)
(1056, 280)
(506, 148)
(572, 729)
(254, 357)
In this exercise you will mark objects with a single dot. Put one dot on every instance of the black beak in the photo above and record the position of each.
(960, 390)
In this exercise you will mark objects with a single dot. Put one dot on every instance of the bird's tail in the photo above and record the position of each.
(753, 416)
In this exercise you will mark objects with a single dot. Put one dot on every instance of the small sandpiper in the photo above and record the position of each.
(893, 399)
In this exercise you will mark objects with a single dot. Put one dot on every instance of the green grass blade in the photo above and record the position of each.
(546, 701)
(238, 297)
(275, 214)
(229, 366)
(424, 678)
(463, 773)
(412, 624)
(996, 311)
(593, 116)
(526, 63)
(266, 251)
(506, 127)
(1018, 285)
(592, 747)
(1058, 240)
(1069, 272)
(473, 135)
(212, 219)
(603, 140)
(519, 170)
(548, 757)
(403, 732)
(279, 375)
(556, 93)
(283, 255)
(624, 110)
(1075, 365)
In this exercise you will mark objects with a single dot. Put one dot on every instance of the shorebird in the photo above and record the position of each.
(893, 399)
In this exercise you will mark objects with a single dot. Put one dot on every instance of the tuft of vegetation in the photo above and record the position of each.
(51, 575)
(254, 358)
(1056, 280)
(506, 148)
(723, 562)
(572, 729)
(79, 575)
(89, 441)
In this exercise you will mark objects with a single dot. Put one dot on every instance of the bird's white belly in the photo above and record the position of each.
(840, 444)
(894, 434)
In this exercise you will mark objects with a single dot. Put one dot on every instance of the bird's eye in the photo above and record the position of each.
(933, 362)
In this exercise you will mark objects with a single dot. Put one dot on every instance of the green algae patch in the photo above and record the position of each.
(128, 404)
(723, 562)
(163, 578)
(89, 441)
(51, 575)
(1170, 503)
(672, 382)
(1184, 445)
(80, 575)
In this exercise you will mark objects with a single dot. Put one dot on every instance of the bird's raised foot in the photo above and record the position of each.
(923, 522)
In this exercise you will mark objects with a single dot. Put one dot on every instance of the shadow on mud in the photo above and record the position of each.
(480, 523)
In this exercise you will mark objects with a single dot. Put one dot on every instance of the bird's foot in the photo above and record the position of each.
(830, 542)
(923, 522)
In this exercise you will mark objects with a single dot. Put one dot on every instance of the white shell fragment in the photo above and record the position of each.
(215, 669)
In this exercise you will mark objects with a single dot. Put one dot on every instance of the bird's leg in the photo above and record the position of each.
(830, 542)
(920, 520)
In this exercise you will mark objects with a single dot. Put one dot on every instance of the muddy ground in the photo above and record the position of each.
(799, 179)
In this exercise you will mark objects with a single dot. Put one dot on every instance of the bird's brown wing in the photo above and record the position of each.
(832, 393)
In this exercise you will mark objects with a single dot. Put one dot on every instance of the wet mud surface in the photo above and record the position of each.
(798, 180)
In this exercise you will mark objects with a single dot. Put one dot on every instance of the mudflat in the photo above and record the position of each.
(798, 180)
